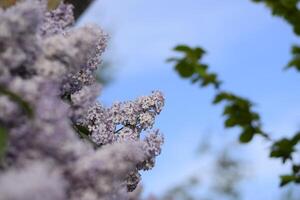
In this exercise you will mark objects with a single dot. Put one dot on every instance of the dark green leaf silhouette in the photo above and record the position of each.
(3, 142)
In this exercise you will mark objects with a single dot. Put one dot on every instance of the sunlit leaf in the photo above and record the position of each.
(7, 3)
(52, 4)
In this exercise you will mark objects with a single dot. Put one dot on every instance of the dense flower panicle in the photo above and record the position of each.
(101, 169)
(139, 113)
(136, 194)
(83, 99)
(57, 21)
(36, 181)
(100, 45)
(153, 143)
(133, 180)
(154, 102)
(71, 50)
(60, 137)
(127, 134)
(18, 41)
(99, 123)
(152, 147)
(74, 82)
(133, 117)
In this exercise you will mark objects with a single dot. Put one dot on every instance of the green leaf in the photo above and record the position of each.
(294, 63)
(246, 136)
(282, 149)
(191, 64)
(182, 48)
(219, 98)
(289, 3)
(210, 79)
(201, 69)
(84, 133)
(224, 96)
(195, 54)
(185, 69)
(295, 49)
(296, 169)
(53, 4)
(3, 142)
(286, 179)
(199, 51)
(230, 122)
(82, 129)
(296, 139)
(7, 3)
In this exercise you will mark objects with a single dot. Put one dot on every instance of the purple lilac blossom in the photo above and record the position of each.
(70, 146)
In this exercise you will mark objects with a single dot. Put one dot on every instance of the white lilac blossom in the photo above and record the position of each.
(57, 20)
(59, 136)
(36, 181)
(116, 160)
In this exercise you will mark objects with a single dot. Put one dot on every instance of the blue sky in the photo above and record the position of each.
(246, 46)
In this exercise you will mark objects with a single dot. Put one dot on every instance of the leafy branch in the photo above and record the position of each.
(238, 111)
(289, 11)
(189, 66)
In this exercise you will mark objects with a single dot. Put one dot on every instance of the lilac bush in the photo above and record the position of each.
(61, 142)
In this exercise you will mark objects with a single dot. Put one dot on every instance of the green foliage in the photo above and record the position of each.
(7, 3)
(295, 62)
(238, 111)
(189, 66)
(83, 130)
(52, 4)
(286, 179)
(293, 177)
(284, 148)
(84, 133)
(3, 142)
(289, 10)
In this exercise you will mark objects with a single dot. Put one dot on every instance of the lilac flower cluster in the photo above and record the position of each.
(63, 143)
